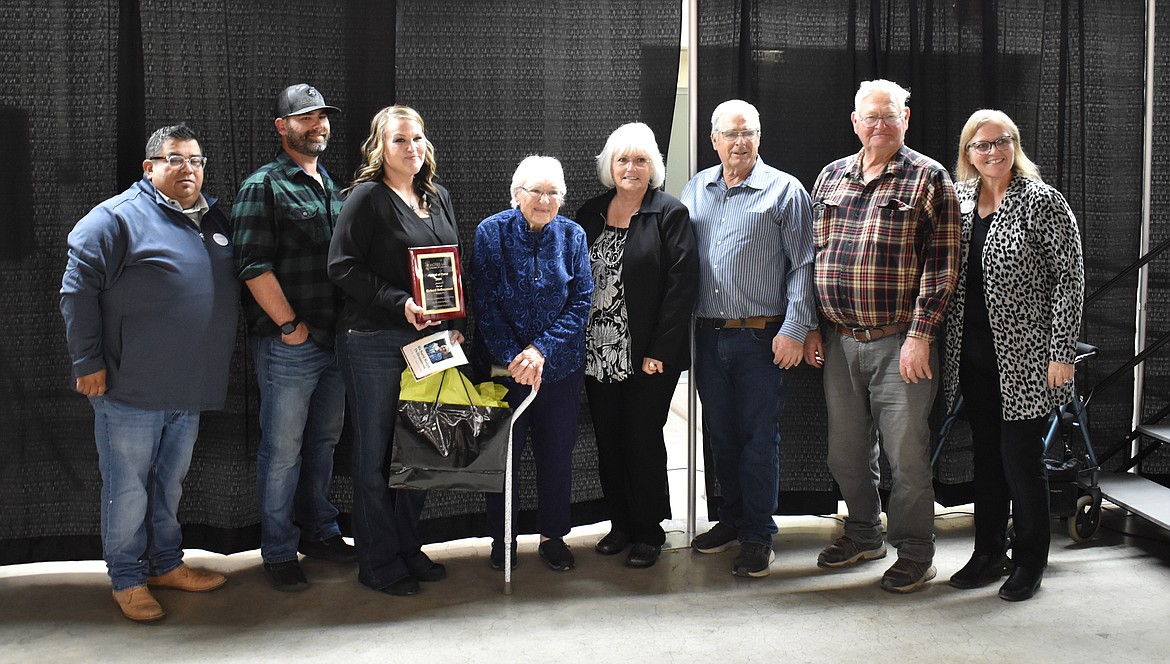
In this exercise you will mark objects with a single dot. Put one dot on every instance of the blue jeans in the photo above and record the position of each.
(385, 520)
(743, 397)
(302, 409)
(143, 456)
(867, 399)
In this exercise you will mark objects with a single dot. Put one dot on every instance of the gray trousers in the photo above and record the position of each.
(868, 401)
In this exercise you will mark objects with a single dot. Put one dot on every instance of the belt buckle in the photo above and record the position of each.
(858, 332)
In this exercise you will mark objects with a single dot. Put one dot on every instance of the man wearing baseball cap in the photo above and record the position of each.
(282, 222)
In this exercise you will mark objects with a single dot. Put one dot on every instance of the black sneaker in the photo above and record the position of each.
(753, 559)
(286, 577)
(496, 560)
(845, 551)
(334, 549)
(556, 553)
(906, 576)
(721, 537)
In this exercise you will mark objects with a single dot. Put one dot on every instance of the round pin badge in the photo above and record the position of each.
(967, 207)
(220, 239)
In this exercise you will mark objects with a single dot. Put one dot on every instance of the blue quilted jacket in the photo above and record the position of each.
(531, 287)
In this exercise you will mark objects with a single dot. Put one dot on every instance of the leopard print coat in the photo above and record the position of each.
(1035, 281)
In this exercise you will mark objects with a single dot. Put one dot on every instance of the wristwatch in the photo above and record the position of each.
(290, 327)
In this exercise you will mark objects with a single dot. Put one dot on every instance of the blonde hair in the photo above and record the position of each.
(632, 139)
(965, 170)
(372, 147)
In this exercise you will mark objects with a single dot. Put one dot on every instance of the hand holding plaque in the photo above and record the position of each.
(437, 280)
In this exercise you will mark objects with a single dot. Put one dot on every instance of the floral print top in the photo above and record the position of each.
(607, 334)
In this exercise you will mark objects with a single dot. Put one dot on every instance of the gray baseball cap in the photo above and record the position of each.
(300, 98)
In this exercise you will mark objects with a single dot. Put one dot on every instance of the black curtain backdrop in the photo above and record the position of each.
(496, 82)
(1068, 72)
(85, 83)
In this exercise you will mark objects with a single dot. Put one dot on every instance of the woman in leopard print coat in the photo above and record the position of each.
(1011, 337)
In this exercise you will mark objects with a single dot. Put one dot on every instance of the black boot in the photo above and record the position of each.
(1022, 584)
(982, 569)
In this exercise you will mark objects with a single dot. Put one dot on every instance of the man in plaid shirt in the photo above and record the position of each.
(282, 222)
(886, 229)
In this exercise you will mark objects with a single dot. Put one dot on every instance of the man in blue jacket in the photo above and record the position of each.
(150, 301)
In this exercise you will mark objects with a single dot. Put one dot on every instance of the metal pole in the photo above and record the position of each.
(1144, 271)
(692, 168)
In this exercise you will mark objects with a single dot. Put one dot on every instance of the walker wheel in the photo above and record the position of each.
(1083, 524)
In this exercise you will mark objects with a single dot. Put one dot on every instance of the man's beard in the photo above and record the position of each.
(301, 144)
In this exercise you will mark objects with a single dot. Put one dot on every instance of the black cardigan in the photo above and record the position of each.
(368, 256)
(660, 273)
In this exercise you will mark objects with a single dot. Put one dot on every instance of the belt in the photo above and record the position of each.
(751, 322)
(868, 334)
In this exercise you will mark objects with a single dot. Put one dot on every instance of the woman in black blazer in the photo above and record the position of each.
(645, 272)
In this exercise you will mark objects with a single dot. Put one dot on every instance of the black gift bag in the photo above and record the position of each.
(450, 434)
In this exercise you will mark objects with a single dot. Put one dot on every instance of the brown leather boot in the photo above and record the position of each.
(188, 578)
(138, 604)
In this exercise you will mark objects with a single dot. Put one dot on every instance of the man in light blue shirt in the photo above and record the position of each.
(755, 306)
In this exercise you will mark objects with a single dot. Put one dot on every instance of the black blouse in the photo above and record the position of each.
(368, 256)
(976, 321)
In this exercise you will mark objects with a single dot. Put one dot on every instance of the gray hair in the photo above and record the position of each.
(634, 138)
(735, 107)
(898, 95)
(536, 168)
(179, 132)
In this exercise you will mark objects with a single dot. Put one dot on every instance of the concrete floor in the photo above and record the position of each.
(1108, 599)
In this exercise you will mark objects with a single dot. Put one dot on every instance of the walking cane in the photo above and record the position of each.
(508, 493)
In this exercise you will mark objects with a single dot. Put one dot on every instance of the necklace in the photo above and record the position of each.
(405, 198)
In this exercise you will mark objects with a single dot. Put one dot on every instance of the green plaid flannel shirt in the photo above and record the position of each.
(282, 222)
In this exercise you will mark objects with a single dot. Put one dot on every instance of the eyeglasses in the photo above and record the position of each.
(746, 134)
(541, 194)
(640, 162)
(176, 161)
(984, 147)
(891, 120)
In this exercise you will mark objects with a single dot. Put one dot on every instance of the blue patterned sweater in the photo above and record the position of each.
(532, 287)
